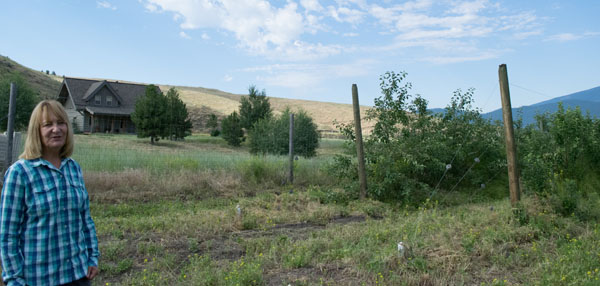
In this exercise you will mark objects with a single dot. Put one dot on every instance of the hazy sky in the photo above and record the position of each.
(315, 50)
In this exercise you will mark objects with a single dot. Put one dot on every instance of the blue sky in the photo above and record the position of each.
(315, 50)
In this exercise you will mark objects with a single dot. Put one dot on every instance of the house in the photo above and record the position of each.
(100, 105)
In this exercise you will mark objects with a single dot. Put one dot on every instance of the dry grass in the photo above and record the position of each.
(137, 185)
(201, 102)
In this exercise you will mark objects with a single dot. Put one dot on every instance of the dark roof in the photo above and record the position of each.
(80, 89)
(109, 110)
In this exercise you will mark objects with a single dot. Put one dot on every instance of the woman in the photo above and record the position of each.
(47, 236)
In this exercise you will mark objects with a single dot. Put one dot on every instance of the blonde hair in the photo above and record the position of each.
(33, 143)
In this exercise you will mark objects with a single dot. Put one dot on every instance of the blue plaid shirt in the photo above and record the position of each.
(47, 236)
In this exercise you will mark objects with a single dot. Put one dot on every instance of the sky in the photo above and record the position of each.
(316, 50)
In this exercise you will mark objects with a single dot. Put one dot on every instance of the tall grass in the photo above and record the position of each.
(126, 168)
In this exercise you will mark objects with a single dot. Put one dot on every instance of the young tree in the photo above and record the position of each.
(179, 126)
(254, 107)
(213, 124)
(26, 101)
(149, 114)
(232, 129)
(271, 136)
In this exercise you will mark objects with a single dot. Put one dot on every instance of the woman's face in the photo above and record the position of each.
(53, 132)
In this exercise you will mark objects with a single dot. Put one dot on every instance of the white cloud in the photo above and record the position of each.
(311, 5)
(459, 59)
(346, 15)
(227, 78)
(205, 36)
(308, 75)
(259, 27)
(184, 35)
(106, 5)
(567, 37)
(299, 30)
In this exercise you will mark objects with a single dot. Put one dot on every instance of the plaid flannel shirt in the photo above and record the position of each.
(47, 236)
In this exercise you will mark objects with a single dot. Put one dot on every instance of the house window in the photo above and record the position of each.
(97, 99)
(109, 100)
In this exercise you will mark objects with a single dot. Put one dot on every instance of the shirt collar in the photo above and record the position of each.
(41, 162)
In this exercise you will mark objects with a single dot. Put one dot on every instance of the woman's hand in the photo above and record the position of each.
(92, 272)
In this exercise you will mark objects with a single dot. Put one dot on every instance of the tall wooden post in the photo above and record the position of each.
(362, 176)
(511, 148)
(10, 128)
(291, 150)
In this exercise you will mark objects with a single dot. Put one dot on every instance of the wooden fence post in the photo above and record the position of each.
(511, 148)
(10, 128)
(362, 176)
(291, 150)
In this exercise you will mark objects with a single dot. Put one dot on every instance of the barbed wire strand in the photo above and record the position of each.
(475, 161)
(445, 171)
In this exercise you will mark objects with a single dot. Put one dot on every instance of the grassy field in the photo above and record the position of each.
(166, 215)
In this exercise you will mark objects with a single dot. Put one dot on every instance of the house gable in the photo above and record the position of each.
(102, 94)
(86, 93)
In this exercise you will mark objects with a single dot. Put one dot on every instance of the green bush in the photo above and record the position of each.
(409, 149)
(271, 136)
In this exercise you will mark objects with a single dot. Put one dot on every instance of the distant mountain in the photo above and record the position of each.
(587, 100)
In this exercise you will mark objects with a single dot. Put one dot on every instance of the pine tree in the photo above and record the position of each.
(213, 124)
(150, 114)
(232, 129)
(254, 107)
(179, 125)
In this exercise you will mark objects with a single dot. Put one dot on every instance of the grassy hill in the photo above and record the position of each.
(47, 86)
(202, 102)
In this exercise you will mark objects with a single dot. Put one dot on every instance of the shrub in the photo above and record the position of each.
(271, 136)
(409, 149)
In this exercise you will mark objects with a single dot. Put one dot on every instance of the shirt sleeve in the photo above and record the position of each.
(89, 228)
(12, 214)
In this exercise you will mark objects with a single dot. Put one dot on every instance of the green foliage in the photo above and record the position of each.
(409, 148)
(213, 124)
(26, 101)
(254, 107)
(179, 125)
(232, 130)
(149, 114)
(158, 115)
(271, 136)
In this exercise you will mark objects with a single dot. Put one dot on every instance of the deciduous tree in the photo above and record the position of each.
(26, 101)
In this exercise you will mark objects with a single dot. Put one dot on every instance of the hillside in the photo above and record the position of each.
(45, 85)
(587, 100)
(202, 102)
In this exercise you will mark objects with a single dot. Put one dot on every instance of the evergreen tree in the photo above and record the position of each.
(232, 129)
(26, 101)
(213, 124)
(150, 114)
(254, 107)
(179, 125)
